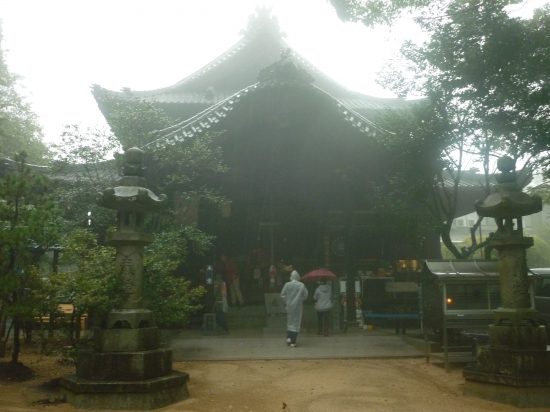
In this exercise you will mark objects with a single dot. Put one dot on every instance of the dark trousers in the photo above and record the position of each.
(292, 335)
(323, 319)
(401, 324)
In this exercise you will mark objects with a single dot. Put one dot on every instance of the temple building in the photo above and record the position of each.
(235, 70)
(302, 162)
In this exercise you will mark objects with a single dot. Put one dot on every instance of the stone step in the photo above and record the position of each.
(255, 316)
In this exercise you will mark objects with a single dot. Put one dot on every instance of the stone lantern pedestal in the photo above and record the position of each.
(126, 368)
(515, 367)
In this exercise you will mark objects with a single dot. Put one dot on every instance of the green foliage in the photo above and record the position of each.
(84, 162)
(387, 12)
(544, 232)
(92, 149)
(484, 76)
(171, 298)
(425, 162)
(189, 168)
(26, 213)
(374, 12)
(543, 191)
(133, 123)
(19, 128)
(90, 280)
(538, 256)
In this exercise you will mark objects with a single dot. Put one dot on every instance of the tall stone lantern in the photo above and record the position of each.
(126, 368)
(515, 367)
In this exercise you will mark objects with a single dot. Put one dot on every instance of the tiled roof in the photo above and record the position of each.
(262, 34)
(104, 171)
(203, 121)
(8, 166)
(355, 102)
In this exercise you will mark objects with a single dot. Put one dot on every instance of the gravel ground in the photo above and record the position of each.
(335, 385)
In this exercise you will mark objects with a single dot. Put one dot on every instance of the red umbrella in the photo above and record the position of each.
(318, 274)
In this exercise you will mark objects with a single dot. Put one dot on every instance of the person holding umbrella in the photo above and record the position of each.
(293, 293)
(323, 305)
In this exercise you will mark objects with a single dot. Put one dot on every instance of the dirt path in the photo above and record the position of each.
(377, 385)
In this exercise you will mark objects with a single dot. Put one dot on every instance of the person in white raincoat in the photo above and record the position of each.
(293, 293)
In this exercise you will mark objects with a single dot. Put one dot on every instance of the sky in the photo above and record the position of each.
(62, 47)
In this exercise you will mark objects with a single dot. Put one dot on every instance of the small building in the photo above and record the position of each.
(458, 299)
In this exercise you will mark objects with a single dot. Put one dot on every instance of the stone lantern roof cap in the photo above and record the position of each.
(509, 201)
(131, 194)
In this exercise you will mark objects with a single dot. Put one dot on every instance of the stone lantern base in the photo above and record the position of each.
(518, 396)
(126, 370)
(143, 395)
(514, 369)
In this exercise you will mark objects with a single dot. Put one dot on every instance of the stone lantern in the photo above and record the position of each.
(126, 368)
(515, 367)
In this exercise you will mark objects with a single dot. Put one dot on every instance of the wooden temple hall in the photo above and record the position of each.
(301, 158)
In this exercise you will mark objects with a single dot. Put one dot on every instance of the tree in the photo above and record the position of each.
(91, 283)
(19, 128)
(134, 123)
(169, 296)
(492, 67)
(85, 166)
(538, 256)
(189, 169)
(376, 12)
(424, 168)
(484, 76)
(26, 212)
(84, 163)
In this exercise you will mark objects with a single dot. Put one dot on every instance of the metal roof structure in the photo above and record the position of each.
(462, 269)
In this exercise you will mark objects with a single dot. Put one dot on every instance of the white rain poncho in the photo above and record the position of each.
(294, 293)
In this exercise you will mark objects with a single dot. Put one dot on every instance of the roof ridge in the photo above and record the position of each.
(178, 126)
(259, 25)
(263, 22)
(200, 122)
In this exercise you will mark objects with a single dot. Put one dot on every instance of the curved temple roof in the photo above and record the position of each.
(236, 69)
(203, 121)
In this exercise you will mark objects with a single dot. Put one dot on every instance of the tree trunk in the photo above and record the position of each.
(51, 324)
(42, 338)
(71, 329)
(446, 237)
(3, 338)
(16, 341)
(3, 321)
(29, 326)
(16, 326)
